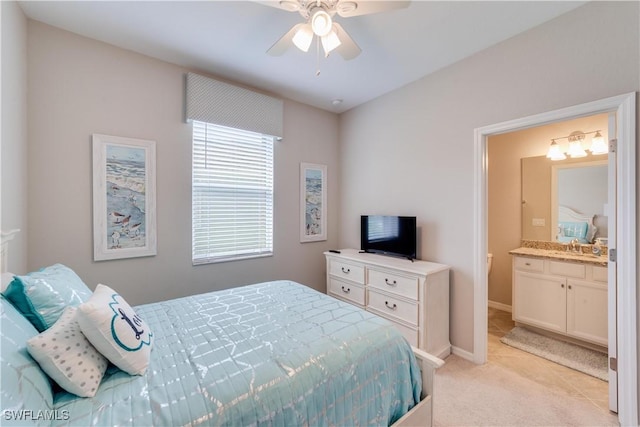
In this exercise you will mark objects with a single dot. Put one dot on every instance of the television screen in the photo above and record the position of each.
(389, 235)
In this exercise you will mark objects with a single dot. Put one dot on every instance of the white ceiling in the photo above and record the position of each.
(229, 39)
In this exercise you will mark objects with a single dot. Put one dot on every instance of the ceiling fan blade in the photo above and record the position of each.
(345, 8)
(288, 5)
(348, 49)
(285, 41)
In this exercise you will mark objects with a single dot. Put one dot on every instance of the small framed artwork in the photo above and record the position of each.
(313, 202)
(124, 197)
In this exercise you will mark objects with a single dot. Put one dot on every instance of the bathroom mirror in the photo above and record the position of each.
(578, 184)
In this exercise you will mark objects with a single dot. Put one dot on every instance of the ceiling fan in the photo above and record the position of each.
(318, 16)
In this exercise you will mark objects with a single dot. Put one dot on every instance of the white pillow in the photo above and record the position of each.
(114, 328)
(67, 357)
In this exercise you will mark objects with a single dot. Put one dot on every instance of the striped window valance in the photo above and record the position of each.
(213, 101)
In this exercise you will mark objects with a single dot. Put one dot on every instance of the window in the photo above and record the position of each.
(232, 194)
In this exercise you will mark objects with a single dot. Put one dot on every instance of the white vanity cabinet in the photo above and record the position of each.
(414, 296)
(563, 297)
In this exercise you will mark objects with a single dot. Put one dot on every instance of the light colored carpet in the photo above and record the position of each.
(581, 359)
(467, 394)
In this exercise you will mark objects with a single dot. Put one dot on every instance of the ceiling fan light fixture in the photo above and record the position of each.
(303, 38)
(321, 22)
(330, 42)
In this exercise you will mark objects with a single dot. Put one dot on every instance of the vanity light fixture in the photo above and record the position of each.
(598, 145)
(575, 145)
(554, 151)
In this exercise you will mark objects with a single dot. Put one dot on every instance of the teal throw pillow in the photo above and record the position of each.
(43, 295)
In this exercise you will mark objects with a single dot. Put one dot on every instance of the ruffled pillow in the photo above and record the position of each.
(43, 295)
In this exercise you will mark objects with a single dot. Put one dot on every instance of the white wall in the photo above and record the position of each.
(14, 132)
(77, 87)
(412, 151)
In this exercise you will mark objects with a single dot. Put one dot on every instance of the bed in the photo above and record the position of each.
(575, 225)
(273, 353)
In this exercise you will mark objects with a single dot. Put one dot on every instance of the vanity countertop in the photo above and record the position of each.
(561, 255)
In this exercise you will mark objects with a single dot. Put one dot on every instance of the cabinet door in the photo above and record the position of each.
(587, 311)
(540, 300)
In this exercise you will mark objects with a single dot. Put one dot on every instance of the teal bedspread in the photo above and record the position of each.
(275, 353)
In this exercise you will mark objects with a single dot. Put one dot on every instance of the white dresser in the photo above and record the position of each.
(567, 298)
(414, 296)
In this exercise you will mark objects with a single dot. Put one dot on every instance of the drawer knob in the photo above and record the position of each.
(390, 283)
(390, 307)
(562, 285)
(527, 263)
(346, 291)
(346, 270)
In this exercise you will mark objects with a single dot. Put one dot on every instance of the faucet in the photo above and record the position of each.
(574, 245)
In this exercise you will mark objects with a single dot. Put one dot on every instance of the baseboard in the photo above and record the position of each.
(468, 355)
(499, 306)
(462, 353)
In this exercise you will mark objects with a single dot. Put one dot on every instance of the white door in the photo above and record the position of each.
(612, 276)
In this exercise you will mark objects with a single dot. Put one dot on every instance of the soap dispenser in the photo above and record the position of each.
(596, 248)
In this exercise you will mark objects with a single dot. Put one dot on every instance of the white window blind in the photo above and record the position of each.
(232, 194)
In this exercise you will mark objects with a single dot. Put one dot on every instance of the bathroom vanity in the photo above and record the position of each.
(561, 292)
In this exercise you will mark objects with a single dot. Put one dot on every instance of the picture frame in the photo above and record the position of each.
(124, 197)
(313, 202)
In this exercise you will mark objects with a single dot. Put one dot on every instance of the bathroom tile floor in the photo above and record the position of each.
(555, 377)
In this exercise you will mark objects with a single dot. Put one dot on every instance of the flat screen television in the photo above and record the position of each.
(388, 235)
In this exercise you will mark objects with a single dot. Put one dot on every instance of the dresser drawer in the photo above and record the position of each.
(346, 290)
(401, 285)
(529, 264)
(393, 307)
(346, 270)
(600, 274)
(567, 269)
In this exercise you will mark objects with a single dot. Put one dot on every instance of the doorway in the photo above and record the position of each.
(625, 236)
(525, 192)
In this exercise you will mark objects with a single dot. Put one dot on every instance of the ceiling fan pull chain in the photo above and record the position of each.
(317, 56)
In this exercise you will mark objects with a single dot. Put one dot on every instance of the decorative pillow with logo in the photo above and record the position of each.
(63, 353)
(114, 328)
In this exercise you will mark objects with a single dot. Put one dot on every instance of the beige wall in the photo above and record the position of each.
(13, 144)
(506, 152)
(77, 87)
(412, 150)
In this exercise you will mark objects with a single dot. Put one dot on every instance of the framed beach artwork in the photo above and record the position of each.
(313, 202)
(124, 197)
